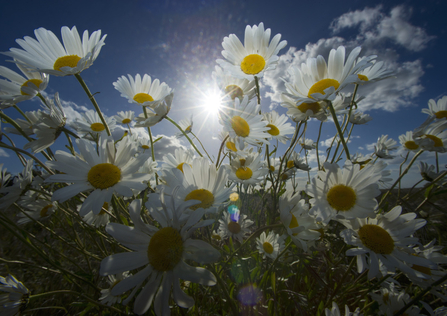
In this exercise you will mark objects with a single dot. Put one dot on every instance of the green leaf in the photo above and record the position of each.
(273, 280)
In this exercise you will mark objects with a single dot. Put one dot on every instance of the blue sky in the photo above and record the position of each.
(179, 41)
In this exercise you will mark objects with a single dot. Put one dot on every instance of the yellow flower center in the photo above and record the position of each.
(386, 298)
(216, 237)
(362, 77)
(188, 129)
(421, 269)
(142, 97)
(437, 141)
(284, 176)
(231, 146)
(272, 168)
(268, 248)
(44, 210)
(104, 175)
(126, 121)
(240, 126)
(314, 107)
(145, 146)
(97, 127)
(376, 238)
(441, 114)
(66, 61)
(411, 145)
(205, 196)
(322, 85)
(244, 173)
(36, 82)
(234, 227)
(274, 131)
(341, 197)
(293, 224)
(290, 164)
(105, 206)
(165, 249)
(321, 231)
(234, 92)
(234, 197)
(253, 64)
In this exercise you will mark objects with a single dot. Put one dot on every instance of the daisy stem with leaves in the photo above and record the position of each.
(93, 100)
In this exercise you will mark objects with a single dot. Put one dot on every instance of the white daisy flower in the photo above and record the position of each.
(304, 111)
(359, 118)
(437, 109)
(161, 253)
(40, 209)
(14, 296)
(180, 157)
(295, 161)
(12, 193)
(232, 146)
(26, 125)
(100, 219)
(144, 91)
(391, 301)
(18, 88)
(143, 143)
(253, 58)
(408, 143)
(274, 165)
(156, 114)
(269, 245)
(432, 136)
(106, 297)
(385, 239)
(233, 87)
(199, 181)
(278, 126)
(383, 146)
(307, 143)
(243, 122)
(4, 177)
(104, 174)
(124, 117)
(90, 123)
(186, 125)
(249, 170)
(294, 213)
(49, 127)
(347, 193)
(48, 55)
(317, 81)
(427, 171)
(377, 71)
(235, 227)
(335, 311)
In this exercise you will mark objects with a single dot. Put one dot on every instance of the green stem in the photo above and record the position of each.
(92, 99)
(258, 90)
(316, 147)
(202, 147)
(220, 151)
(340, 133)
(28, 154)
(189, 139)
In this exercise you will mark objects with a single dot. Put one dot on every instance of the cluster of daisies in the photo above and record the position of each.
(169, 200)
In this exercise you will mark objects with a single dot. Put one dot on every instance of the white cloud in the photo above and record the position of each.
(3, 153)
(166, 145)
(378, 33)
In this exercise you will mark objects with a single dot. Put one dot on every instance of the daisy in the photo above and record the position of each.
(4, 177)
(180, 157)
(383, 146)
(14, 296)
(335, 311)
(384, 239)
(377, 71)
(12, 193)
(103, 173)
(233, 87)
(427, 171)
(91, 123)
(253, 58)
(249, 170)
(270, 245)
(156, 114)
(432, 136)
(49, 127)
(186, 125)
(437, 109)
(294, 214)
(307, 143)
(359, 118)
(391, 301)
(100, 219)
(18, 88)
(40, 209)
(106, 297)
(235, 227)
(48, 55)
(278, 128)
(161, 253)
(144, 91)
(199, 181)
(348, 193)
(407, 141)
(317, 80)
(125, 117)
(32, 118)
(230, 145)
(242, 121)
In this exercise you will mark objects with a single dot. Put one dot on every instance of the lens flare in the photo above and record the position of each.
(234, 212)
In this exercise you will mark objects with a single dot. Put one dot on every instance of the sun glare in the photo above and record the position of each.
(212, 102)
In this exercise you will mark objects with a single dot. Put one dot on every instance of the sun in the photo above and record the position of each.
(212, 102)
